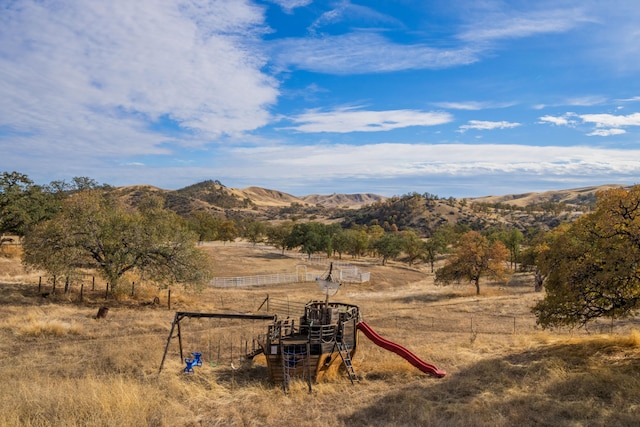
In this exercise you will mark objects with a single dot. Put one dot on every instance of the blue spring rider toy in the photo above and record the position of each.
(196, 360)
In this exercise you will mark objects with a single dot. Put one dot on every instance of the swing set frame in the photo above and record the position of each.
(180, 315)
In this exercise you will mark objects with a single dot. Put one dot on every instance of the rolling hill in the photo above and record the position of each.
(421, 212)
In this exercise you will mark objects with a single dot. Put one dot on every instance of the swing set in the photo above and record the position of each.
(196, 359)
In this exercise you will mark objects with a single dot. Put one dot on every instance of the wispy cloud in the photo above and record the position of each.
(582, 101)
(487, 125)
(508, 24)
(607, 132)
(605, 124)
(468, 105)
(289, 5)
(355, 120)
(345, 10)
(473, 105)
(359, 53)
(632, 99)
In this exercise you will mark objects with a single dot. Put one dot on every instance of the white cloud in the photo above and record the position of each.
(610, 120)
(353, 120)
(583, 101)
(607, 132)
(468, 105)
(288, 5)
(510, 24)
(632, 99)
(359, 53)
(564, 120)
(459, 170)
(98, 76)
(473, 105)
(486, 125)
(408, 165)
(357, 15)
(606, 124)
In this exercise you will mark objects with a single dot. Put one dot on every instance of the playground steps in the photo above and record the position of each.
(343, 349)
(254, 353)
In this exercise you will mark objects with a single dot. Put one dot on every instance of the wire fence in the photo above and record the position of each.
(353, 275)
(513, 325)
(258, 280)
(342, 272)
(473, 324)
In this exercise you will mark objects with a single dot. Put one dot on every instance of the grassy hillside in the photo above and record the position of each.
(421, 212)
(63, 367)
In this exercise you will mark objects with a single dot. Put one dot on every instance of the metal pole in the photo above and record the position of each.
(175, 319)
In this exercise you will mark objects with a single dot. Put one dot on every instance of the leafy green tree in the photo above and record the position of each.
(438, 244)
(227, 231)
(340, 242)
(512, 240)
(78, 183)
(591, 266)
(255, 231)
(474, 257)
(278, 235)
(412, 245)
(94, 231)
(357, 242)
(23, 203)
(535, 254)
(311, 237)
(388, 246)
(375, 231)
(205, 225)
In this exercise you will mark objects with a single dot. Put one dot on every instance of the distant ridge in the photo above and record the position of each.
(343, 200)
(265, 197)
(575, 196)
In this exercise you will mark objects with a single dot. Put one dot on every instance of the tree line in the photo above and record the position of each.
(588, 268)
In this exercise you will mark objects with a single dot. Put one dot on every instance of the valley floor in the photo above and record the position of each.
(61, 366)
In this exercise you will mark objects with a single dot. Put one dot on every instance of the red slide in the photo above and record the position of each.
(425, 367)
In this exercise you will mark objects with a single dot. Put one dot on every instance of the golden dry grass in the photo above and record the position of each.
(61, 366)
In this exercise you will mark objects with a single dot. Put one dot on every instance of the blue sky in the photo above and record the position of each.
(456, 98)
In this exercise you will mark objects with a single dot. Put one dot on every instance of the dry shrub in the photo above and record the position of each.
(49, 328)
(10, 251)
(35, 323)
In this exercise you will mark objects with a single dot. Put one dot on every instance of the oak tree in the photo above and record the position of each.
(474, 257)
(23, 203)
(592, 267)
(388, 246)
(93, 230)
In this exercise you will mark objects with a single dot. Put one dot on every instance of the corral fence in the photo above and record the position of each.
(344, 275)
(258, 280)
(342, 272)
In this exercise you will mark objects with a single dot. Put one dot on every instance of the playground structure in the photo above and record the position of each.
(323, 340)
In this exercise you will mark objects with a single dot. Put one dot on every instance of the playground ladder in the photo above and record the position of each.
(343, 349)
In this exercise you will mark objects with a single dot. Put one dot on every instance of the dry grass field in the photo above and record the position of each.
(60, 366)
